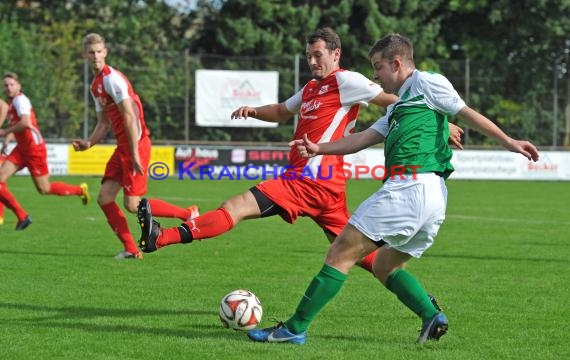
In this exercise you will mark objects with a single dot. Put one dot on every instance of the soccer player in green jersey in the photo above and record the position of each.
(403, 217)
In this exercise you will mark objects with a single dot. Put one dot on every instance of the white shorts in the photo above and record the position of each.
(405, 213)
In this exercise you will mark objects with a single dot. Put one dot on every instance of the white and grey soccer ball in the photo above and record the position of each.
(240, 310)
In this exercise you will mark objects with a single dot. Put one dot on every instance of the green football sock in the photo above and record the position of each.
(321, 290)
(411, 293)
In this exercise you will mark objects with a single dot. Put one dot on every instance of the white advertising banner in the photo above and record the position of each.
(220, 92)
(476, 164)
(504, 165)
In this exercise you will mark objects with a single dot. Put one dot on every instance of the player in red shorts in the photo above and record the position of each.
(328, 108)
(120, 110)
(3, 114)
(3, 156)
(30, 152)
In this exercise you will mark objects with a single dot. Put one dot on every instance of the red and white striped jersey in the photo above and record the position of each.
(327, 111)
(20, 105)
(109, 88)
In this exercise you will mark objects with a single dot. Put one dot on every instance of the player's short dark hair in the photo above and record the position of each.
(393, 45)
(328, 35)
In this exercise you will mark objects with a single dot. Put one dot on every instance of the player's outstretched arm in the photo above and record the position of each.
(347, 145)
(270, 113)
(488, 128)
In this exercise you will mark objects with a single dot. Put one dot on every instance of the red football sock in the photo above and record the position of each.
(211, 224)
(10, 201)
(64, 189)
(118, 223)
(162, 208)
(2, 207)
(367, 261)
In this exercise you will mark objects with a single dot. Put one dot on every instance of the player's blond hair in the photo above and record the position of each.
(11, 75)
(93, 38)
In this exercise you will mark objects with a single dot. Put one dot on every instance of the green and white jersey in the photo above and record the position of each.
(416, 127)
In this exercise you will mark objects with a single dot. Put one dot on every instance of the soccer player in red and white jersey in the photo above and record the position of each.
(120, 110)
(328, 106)
(3, 114)
(30, 152)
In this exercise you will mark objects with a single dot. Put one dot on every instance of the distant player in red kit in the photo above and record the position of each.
(3, 114)
(30, 152)
(120, 110)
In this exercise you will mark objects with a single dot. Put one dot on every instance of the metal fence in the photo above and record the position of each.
(539, 113)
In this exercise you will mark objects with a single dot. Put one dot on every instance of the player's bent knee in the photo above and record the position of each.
(130, 207)
(103, 200)
(383, 272)
(341, 259)
(241, 207)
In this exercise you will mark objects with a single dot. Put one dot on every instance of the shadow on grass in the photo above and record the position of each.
(371, 339)
(80, 318)
(35, 253)
(71, 312)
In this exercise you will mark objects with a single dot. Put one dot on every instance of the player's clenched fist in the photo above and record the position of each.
(305, 147)
(80, 145)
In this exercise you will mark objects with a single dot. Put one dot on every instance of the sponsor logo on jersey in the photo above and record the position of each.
(310, 106)
(323, 89)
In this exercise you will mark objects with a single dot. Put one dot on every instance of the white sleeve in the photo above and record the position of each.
(293, 104)
(22, 105)
(355, 88)
(381, 125)
(98, 107)
(440, 94)
(116, 87)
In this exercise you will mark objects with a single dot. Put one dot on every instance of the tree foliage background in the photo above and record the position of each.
(517, 51)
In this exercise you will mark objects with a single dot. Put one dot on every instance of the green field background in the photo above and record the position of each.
(500, 268)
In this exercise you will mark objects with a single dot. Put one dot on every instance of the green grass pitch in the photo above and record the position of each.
(500, 267)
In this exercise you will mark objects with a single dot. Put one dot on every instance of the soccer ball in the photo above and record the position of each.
(240, 310)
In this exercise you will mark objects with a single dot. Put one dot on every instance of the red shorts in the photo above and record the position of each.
(327, 207)
(120, 169)
(35, 159)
